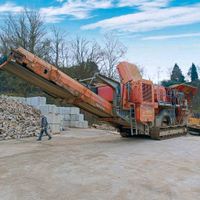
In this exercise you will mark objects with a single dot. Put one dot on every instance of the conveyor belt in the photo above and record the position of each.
(58, 91)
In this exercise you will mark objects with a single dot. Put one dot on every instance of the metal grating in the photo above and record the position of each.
(147, 92)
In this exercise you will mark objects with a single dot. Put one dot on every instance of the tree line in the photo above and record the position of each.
(77, 56)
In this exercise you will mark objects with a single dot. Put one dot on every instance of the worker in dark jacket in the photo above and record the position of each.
(44, 126)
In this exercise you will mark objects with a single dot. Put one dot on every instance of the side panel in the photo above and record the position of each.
(142, 92)
(143, 97)
(106, 92)
(145, 113)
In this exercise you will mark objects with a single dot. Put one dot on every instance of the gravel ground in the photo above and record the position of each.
(97, 165)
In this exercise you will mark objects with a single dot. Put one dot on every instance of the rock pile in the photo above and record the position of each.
(17, 120)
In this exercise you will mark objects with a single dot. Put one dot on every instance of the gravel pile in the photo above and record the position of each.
(17, 120)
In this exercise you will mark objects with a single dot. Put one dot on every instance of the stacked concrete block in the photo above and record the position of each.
(72, 118)
(63, 110)
(66, 117)
(36, 102)
(74, 110)
(48, 108)
(77, 117)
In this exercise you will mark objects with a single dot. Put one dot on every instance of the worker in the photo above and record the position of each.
(44, 126)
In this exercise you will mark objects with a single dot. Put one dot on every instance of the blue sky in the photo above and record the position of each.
(158, 33)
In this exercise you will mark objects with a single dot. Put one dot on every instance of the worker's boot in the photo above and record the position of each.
(50, 138)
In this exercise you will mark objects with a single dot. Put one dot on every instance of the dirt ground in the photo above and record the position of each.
(97, 165)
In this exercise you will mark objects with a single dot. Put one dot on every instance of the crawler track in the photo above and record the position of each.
(168, 132)
(194, 130)
(163, 133)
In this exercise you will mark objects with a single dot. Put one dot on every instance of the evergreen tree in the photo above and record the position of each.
(177, 75)
(193, 73)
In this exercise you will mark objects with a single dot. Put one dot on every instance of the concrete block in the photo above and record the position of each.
(54, 118)
(68, 110)
(74, 110)
(81, 117)
(76, 117)
(36, 101)
(66, 117)
(46, 109)
(63, 110)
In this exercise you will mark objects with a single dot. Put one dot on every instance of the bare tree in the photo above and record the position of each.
(59, 47)
(4, 44)
(106, 57)
(95, 53)
(80, 50)
(26, 30)
(113, 52)
(84, 51)
(66, 58)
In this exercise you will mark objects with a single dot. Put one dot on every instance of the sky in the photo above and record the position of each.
(157, 33)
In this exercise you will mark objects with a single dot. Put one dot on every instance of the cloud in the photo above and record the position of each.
(10, 8)
(144, 4)
(165, 37)
(79, 9)
(150, 20)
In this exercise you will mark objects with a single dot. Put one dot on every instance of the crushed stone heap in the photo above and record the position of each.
(18, 120)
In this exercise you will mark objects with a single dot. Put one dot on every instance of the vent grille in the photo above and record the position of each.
(147, 92)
